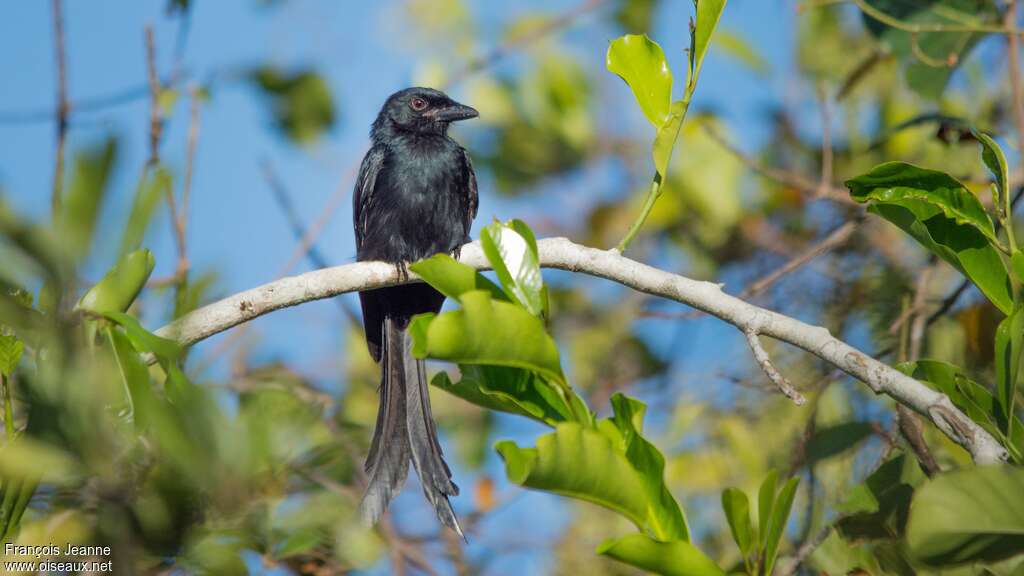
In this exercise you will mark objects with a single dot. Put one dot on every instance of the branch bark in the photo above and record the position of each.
(561, 253)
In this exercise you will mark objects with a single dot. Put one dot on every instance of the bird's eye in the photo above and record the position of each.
(418, 104)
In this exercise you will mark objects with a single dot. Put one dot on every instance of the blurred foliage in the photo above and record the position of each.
(301, 101)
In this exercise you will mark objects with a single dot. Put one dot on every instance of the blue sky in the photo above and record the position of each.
(235, 228)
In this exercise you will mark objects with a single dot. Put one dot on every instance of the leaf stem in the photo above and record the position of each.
(652, 197)
(8, 408)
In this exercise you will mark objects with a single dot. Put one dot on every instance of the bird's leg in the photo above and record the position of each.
(457, 252)
(403, 270)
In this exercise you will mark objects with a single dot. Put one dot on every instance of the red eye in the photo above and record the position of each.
(418, 104)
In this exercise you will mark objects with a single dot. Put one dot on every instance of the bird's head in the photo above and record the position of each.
(420, 110)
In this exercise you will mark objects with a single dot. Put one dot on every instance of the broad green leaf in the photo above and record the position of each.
(941, 214)
(81, 205)
(664, 517)
(641, 63)
(152, 189)
(929, 58)
(976, 401)
(777, 524)
(993, 157)
(973, 514)
(675, 558)
(512, 390)
(903, 184)
(487, 331)
(145, 341)
(737, 513)
(302, 103)
(833, 440)
(516, 263)
(134, 375)
(1009, 343)
(116, 291)
(765, 503)
(453, 278)
(708, 13)
(877, 508)
(11, 348)
(582, 463)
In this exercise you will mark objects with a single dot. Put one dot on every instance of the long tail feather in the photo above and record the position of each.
(387, 464)
(405, 431)
(435, 476)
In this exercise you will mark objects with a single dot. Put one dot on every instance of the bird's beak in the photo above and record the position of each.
(454, 112)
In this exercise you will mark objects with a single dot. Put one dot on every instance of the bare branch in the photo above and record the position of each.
(761, 355)
(62, 105)
(563, 254)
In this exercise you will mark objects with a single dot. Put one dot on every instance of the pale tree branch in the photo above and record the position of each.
(780, 381)
(561, 253)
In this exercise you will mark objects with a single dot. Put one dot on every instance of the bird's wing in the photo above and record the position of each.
(472, 198)
(362, 196)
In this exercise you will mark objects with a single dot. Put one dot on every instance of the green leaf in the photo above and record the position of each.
(993, 157)
(970, 397)
(11, 348)
(487, 331)
(878, 507)
(81, 206)
(737, 513)
(942, 51)
(765, 502)
(134, 375)
(664, 517)
(833, 440)
(153, 187)
(708, 13)
(579, 462)
(941, 214)
(453, 278)
(777, 524)
(302, 103)
(511, 390)
(675, 558)
(116, 291)
(641, 63)
(973, 514)
(516, 263)
(145, 341)
(1009, 343)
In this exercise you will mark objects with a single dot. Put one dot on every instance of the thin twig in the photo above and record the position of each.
(917, 28)
(521, 40)
(805, 550)
(62, 106)
(825, 181)
(910, 429)
(780, 381)
(808, 186)
(836, 238)
(313, 254)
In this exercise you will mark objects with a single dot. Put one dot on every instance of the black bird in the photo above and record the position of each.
(415, 197)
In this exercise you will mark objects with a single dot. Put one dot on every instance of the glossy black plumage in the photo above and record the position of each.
(415, 196)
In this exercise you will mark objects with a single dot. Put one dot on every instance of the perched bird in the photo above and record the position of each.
(415, 197)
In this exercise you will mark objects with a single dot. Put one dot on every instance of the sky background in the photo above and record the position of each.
(366, 51)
